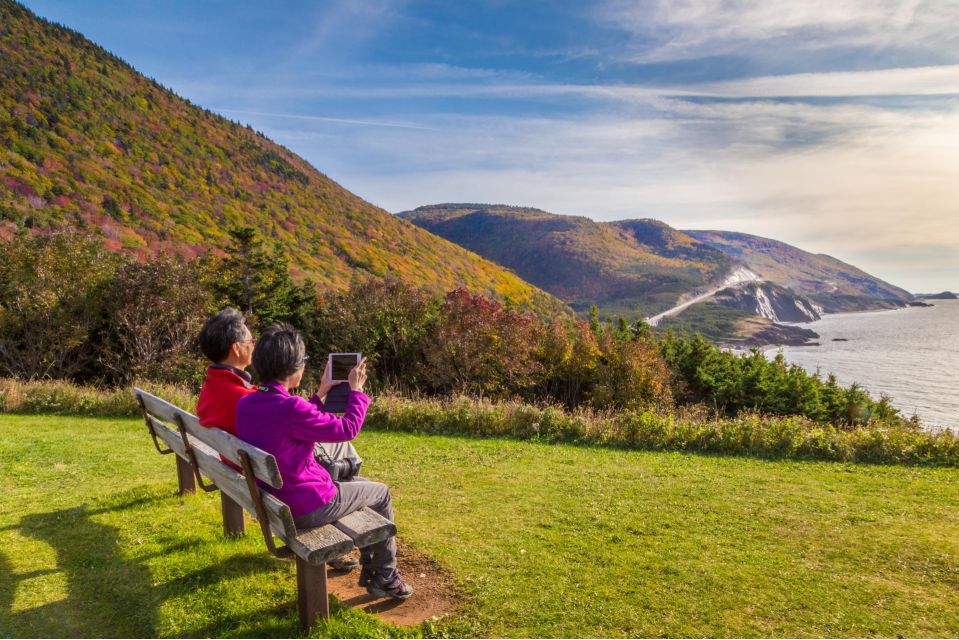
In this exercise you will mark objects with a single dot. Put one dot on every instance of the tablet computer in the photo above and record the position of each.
(341, 364)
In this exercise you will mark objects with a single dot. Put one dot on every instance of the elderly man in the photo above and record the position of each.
(228, 343)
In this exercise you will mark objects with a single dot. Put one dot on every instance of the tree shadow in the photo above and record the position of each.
(108, 594)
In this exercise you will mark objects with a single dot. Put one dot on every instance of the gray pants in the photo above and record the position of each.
(380, 558)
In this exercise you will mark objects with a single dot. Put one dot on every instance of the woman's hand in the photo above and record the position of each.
(357, 376)
(326, 383)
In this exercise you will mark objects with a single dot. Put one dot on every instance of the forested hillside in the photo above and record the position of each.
(87, 142)
(622, 267)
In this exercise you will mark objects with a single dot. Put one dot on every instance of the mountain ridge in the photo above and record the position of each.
(829, 282)
(578, 259)
(642, 263)
(88, 142)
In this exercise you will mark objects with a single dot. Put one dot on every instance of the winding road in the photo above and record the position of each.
(739, 276)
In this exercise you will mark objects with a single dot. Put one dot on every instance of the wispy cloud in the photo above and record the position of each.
(314, 118)
(685, 29)
(869, 185)
(937, 80)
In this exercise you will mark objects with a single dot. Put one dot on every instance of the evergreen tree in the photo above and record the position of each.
(259, 282)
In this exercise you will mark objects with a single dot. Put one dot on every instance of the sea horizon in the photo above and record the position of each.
(907, 353)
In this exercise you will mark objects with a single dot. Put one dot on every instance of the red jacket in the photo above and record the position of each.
(219, 394)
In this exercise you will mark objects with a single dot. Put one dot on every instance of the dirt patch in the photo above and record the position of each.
(433, 594)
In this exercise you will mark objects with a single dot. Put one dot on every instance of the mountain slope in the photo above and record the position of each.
(831, 283)
(621, 266)
(86, 141)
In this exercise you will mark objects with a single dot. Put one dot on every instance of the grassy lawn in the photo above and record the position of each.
(544, 540)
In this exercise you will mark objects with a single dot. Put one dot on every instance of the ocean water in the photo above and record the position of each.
(911, 354)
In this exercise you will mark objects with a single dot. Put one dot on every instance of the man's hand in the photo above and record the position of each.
(358, 376)
(326, 383)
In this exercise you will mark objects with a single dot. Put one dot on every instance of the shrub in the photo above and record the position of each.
(51, 302)
(479, 347)
(154, 313)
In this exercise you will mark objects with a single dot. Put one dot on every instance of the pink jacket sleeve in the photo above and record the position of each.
(310, 423)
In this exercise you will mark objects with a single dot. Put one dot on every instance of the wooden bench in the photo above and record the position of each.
(198, 452)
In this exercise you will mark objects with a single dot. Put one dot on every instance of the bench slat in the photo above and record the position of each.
(365, 527)
(264, 464)
(171, 437)
(321, 544)
(234, 485)
(157, 406)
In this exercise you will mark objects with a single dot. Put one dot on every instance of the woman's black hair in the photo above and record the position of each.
(279, 352)
(220, 333)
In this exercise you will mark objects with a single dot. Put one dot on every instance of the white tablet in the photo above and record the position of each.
(341, 364)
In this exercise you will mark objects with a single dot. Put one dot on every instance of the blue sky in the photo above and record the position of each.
(833, 125)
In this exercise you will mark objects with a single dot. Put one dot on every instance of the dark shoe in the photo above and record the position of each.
(394, 588)
(343, 563)
(365, 576)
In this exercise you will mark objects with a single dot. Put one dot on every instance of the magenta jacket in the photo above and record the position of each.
(287, 426)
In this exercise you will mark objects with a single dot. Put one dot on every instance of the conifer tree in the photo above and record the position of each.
(259, 282)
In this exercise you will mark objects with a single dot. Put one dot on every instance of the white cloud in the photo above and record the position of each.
(686, 29)
(867, 185)
(297, 116)
(935, 80)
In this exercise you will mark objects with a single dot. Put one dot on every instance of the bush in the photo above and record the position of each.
(70, 310)
(51, 303)
(750, 434)
(154, 313)
(731, 384)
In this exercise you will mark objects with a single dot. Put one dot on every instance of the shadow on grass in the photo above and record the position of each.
(108, 594)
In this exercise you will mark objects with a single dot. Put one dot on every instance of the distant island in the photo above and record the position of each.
(945, 295)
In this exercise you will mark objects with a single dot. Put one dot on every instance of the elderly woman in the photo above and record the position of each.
(287, 426)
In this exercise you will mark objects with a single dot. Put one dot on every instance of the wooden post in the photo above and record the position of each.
(311, 595)
(184, 474)
(233, 522)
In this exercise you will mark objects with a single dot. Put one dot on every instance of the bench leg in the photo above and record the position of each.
(311, 592)
(233, 522)
(184, 474)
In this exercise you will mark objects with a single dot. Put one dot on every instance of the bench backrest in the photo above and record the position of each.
(229, 446)
(165, 420)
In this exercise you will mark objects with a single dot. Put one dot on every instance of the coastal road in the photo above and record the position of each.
(739, 276)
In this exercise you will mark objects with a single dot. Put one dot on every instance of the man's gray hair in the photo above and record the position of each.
(220, 332)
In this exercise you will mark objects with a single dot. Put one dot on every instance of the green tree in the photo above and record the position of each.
(259, 282)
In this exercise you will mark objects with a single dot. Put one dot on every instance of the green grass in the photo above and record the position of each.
(542, 540)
